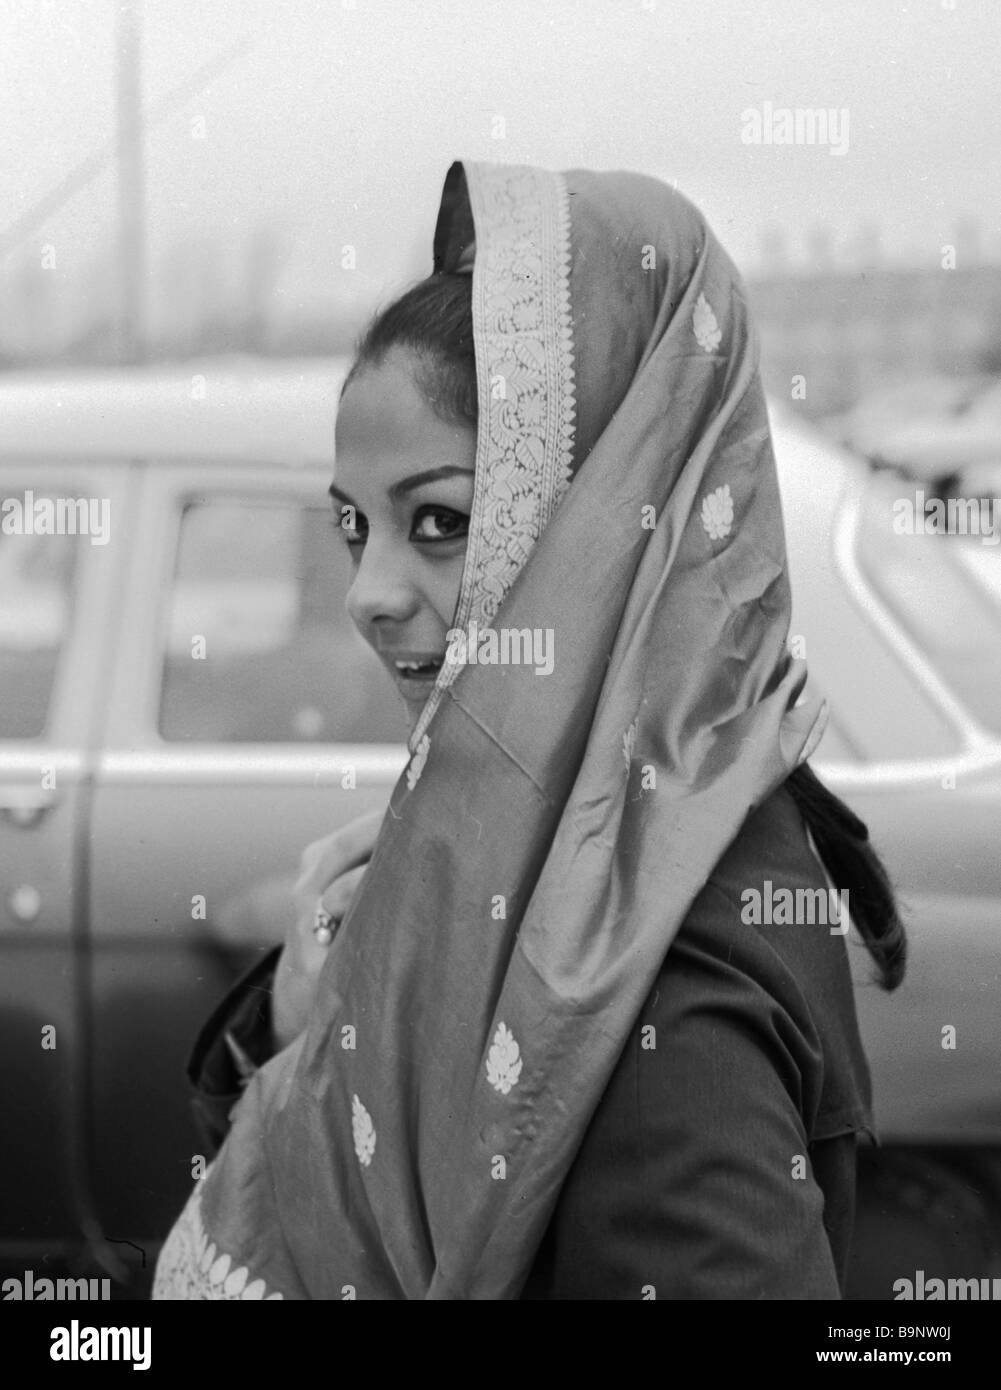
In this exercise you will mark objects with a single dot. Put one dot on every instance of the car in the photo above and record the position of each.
(942, 431)
(184, 705)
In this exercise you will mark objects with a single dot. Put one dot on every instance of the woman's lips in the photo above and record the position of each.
(415, 684)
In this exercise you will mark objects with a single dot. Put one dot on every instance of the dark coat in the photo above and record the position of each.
(720, 1162)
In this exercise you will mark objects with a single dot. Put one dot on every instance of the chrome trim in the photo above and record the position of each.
(374, 764)
(916, 772)
(16, 758)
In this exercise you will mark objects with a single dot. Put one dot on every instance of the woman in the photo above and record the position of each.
(548, 1056)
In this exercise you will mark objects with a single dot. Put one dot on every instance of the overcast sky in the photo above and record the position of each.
(338, 125)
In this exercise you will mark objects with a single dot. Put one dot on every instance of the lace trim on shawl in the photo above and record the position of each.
(192, 1267)
(523, 332)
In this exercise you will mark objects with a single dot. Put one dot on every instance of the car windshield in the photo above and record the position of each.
(944, 590)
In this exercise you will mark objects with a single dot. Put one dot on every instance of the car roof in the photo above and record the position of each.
(245, 409)
(250, 410)
(930, 426)
(254, 410)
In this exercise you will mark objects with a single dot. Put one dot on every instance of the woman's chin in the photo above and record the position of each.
(414, 706)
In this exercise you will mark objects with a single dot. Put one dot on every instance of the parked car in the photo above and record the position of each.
(184, 705)
(943, 431)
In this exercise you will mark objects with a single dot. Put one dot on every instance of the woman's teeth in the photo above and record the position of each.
(417, 667)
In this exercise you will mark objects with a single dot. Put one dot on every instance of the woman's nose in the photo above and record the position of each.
(382, 587)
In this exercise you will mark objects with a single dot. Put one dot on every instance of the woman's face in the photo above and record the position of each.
(402, 494)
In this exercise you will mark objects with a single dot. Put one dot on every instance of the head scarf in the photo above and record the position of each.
(550, 831)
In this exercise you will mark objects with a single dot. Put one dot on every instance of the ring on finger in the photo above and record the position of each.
(323, 925)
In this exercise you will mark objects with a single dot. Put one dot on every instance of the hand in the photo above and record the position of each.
(330, 871)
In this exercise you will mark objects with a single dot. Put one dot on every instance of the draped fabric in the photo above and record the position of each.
(553, 826)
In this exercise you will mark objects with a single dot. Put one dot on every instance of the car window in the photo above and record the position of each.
(258, 647)
(880, 711)
(36, 612)
(945, 596)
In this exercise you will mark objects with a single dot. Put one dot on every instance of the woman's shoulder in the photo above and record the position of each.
(768, 915)
(745, 1058)
(779, 898)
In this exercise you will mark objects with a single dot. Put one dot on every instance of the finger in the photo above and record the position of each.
(338, 896)
(344, 849)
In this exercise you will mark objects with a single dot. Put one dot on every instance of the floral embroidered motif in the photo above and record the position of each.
(417, 762)
(363, 1132)
(503, 1060)
(717, 513)
(707, 330)
(523, 333)
(629, 743)
(192, 1267)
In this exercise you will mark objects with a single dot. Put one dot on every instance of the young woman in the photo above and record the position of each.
(528, 1041)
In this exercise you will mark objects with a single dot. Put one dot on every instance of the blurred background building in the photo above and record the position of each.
(258, 179)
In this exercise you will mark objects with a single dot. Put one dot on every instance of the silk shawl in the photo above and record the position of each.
(550, 831)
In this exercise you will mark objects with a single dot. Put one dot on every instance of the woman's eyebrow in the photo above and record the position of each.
(416, 480)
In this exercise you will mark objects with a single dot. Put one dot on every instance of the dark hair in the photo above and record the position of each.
(843, 842)
(434, 320)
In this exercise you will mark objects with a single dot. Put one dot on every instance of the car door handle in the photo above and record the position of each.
(25, 806)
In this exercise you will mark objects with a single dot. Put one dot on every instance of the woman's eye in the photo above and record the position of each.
(439, 524)
(430, 524)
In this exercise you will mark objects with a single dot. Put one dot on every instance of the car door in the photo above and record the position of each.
(57, 593)
(247, 720)
(909, 654)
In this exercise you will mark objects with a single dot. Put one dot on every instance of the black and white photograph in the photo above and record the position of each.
(500, 665)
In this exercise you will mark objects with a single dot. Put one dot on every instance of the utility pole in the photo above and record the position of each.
(131, 190)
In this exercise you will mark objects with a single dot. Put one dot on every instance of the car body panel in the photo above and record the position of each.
(45, 790)
(934, 819)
